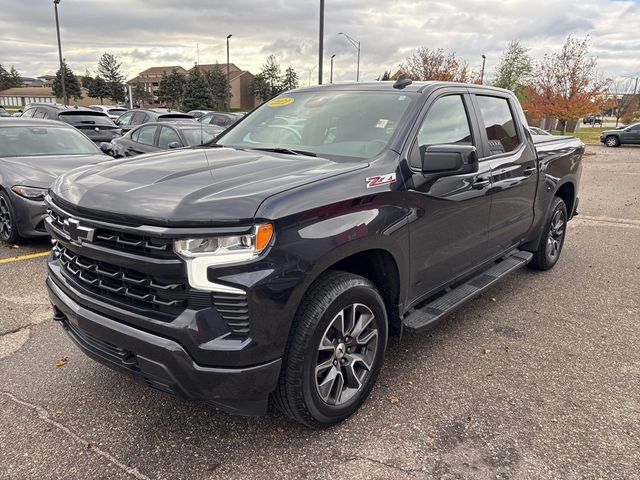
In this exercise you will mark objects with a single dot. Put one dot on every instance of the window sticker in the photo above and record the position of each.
(280, 102)
(382, 123)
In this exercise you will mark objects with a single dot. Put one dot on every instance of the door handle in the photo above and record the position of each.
(530, 170)
(480, 183)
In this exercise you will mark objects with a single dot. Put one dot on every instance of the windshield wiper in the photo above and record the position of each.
(288, 151)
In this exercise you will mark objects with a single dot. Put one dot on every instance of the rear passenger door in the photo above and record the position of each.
(144, 140)
(514, 167)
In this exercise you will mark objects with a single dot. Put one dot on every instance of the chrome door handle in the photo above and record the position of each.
(480, 183)
(530, 170)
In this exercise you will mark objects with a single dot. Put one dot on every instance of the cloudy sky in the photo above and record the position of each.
(144, 33)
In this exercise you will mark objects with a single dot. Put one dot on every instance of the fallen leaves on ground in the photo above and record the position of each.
(14, 246)
(432, 434)
(280, 429)
(61, 362)
(394, 400)
(57, 413)
(486, 351)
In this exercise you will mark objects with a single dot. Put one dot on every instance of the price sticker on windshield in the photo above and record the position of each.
(280, 102)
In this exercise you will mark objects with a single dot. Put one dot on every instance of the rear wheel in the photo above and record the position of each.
(552, 241)
(8, 228)
(336, 350)
(611, 141)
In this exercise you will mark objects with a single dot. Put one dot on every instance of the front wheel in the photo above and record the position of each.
(611, 141)
(8, 228)
(552, 241)
(335, 352)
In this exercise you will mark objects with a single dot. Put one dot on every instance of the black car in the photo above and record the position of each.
(133, 118)
(95, 125)
(627, 135)
(157, 136)
(592, 120)
(32, 154)
(274, 263)
(222, 119)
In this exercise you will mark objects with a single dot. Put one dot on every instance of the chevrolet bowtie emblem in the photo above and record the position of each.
(77, 233)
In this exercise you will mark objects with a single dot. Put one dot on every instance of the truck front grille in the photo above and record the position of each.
(122, 285)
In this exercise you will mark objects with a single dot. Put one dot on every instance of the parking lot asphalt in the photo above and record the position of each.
(539, 378)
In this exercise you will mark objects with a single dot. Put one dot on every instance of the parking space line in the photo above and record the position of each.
(24, 257)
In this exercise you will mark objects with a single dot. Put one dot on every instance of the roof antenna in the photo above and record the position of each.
(402, 82)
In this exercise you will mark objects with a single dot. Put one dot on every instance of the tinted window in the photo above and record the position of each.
(139, 118)
(29, 112)
(498, 120)
(40, 113)
(85, 119)
(167, 136)
(116, 111)
(145, 135)
(446, 123)
(199, 136)
(30, 141)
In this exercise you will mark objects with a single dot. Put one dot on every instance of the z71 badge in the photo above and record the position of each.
(379, 180)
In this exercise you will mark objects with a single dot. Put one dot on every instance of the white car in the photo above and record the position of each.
(114, 111)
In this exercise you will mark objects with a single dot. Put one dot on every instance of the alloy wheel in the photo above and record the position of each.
(6, 227)
(346, 354)
(556, 235)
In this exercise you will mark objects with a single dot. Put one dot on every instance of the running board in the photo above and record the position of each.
(433, 312)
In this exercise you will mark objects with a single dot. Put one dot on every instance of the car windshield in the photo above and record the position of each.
(85, 119)
(355, 125)
(33, 141)
(117, 111)
(198, 136)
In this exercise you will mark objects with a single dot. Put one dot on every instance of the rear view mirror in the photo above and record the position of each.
(449, 159)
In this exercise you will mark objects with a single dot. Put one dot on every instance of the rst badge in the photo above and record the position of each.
(379, 180)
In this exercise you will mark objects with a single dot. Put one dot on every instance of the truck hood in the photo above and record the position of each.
(189, 187)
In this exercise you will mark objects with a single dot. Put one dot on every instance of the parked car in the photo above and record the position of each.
(113, 111)
(32, 154)
(3, 112)
(136, 117)
(157, 136)
(197, 113)
(538, 131)
(592, 120)
(275, 263)
(95, 125)
(222, 119)
(626, 135)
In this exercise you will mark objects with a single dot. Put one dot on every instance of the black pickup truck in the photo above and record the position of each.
(274, 263)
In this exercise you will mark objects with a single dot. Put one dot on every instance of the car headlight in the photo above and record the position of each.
(201, 253)
(31, 193)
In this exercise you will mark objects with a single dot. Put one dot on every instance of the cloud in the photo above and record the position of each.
(143, 33)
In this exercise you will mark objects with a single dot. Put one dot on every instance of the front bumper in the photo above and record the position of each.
(163, 363)
(30, 215)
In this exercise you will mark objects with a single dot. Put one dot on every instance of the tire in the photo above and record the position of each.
(8, 227)
(552, 240)
(324, 377)
(612, 141)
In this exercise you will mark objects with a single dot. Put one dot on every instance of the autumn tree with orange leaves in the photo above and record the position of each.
(566, 84)
(436, 64)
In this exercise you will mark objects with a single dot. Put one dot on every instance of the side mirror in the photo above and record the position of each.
(106, 147)
(449, 159)
(174, 145)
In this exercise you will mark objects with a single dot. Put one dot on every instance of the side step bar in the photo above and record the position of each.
(431, 313)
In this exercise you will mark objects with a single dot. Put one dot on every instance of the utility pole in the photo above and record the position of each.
(331, 75)
(320, 42)
(484, 59)
(228, 76)
(62, 69)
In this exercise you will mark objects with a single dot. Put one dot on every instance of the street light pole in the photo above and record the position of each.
(228, 76)
(356, 44)
(331, 75)
(62, 70)
(484, 59)
(320, 42)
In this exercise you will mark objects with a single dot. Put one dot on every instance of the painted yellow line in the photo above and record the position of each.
(24, 257)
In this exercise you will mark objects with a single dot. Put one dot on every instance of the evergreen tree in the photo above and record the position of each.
(86, 80)
(197, 93)
(385, 76)
(171, 88)
(290, 80)
(272, 74)
(515, 69)
(110, 70)
(260, 88)
(9, 79)
(141, 95)
(71, 83)
(218, 86)
(98, 88)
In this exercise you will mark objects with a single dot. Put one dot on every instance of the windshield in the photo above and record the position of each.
(328, 123)
(117, 111)
(85, 119)
(197, 136)
(31, 141)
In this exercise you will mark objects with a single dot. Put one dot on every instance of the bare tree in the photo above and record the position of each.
(623, 98)
(436, 64)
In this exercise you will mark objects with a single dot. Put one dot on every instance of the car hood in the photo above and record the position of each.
(41, 171)
(189, 187)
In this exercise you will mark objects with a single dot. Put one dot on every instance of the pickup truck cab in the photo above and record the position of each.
(275, 262)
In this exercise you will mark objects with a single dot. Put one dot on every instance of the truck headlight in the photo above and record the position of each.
(201, 253)
(31, 193)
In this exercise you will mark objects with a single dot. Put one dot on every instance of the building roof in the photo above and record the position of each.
(223, 66)
(27, 92)
(47, 77)
(161, 70)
